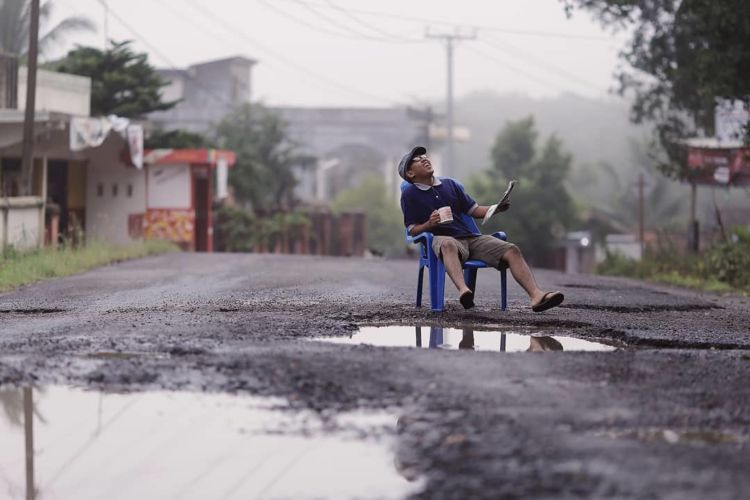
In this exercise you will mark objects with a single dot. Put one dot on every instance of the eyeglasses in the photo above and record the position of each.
(420, 159)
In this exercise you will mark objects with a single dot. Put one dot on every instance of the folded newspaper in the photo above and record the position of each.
(493, 208)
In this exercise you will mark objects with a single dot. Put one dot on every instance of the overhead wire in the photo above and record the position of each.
(517, 69)
(372, 27)
(284, 59)
(163, 57)
(540, 62)
(483, 27)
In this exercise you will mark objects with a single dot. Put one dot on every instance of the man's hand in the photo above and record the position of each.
(503, 206)
(434, 219)
(429, 225)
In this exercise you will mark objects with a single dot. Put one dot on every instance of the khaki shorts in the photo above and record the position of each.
(486, 248)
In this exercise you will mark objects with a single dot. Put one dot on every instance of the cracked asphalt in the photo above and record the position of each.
(665, 416)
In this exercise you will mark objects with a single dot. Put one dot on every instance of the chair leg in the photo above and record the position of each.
(504, 289)
(420, 279)
(470, 277)
(437, 286)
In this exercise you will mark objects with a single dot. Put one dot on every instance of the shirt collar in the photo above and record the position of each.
(424, 187)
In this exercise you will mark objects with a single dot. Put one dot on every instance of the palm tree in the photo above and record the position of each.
(14, 26)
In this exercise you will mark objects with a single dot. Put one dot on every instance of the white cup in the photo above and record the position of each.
(446, 214)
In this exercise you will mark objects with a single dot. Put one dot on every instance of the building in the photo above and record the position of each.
(349, 143)
(207, 93)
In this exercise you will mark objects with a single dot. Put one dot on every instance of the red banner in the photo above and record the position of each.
(718, 166)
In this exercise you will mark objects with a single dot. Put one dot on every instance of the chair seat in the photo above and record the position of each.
(475, 264)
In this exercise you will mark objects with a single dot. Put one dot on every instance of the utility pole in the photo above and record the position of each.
(450, 39)
(27, 147)
(641, 212)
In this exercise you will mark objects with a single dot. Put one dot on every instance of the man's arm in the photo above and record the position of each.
(481, 210)
(431, 223)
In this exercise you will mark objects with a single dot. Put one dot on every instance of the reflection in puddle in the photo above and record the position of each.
(71, 443)
(452, 338)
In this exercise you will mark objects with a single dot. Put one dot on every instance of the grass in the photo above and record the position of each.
(22, 268)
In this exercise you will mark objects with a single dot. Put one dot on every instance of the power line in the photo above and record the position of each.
(506, 65)
(166, 59)
(297, 20)
(422, 21)
(369, 26)
(280, 57)
(542, 64)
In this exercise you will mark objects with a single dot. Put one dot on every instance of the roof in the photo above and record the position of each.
(202, 156)
(712, 143)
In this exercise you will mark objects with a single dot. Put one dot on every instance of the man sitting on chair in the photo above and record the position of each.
(453, 241)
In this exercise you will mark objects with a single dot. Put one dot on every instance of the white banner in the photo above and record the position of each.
(88, 132)
(135, 145)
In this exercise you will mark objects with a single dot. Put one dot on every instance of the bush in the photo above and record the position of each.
(236, 229)
(730, 262)
(723, 267)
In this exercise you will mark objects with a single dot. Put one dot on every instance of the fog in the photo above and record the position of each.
(365, 52)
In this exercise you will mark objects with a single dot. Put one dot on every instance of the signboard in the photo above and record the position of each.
(718, 166)
(731, 119)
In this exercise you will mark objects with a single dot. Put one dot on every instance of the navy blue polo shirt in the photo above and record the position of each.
(418, 201)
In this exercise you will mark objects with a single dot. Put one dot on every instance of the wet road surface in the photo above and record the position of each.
(666, 414)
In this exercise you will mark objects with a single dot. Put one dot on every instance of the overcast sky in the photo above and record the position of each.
(367, 52)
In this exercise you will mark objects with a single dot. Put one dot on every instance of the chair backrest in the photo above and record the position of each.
(471, 224)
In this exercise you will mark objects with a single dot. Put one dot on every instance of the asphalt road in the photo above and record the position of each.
(665, 416)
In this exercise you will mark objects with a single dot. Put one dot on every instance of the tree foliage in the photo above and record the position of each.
(123, 82)
(14, 26)
(541, 208)
(385, 226)
(178, 139)
(682, 56)
(264, 173)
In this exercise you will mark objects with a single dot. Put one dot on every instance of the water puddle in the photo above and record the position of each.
(73, 443)
(465, 338)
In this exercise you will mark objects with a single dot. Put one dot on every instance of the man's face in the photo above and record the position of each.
(420, 167)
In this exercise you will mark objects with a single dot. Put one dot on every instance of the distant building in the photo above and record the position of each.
(350, 143)
(207, 92)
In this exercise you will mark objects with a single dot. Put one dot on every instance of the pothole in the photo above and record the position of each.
(186, 445)
(123, 355)
(670, 436)
(642, 308)
(32, 311)
(465, 338)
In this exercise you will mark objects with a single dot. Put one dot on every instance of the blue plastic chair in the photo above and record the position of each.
(436, 276)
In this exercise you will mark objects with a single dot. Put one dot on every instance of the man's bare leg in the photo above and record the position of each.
(522, 274)
(452, 263)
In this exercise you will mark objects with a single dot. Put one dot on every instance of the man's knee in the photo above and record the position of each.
(448, 246)
(513, 252)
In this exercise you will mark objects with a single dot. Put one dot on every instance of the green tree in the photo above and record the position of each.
(682, 56)
(178, 139)
(123, 82)
(14, 26)
(541, 208)
(264, 172)
(385, 226)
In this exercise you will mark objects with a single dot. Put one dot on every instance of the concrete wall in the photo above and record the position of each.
(365, 140)
(21, 222)
(209, 92)
(58, 92)
(114, 192)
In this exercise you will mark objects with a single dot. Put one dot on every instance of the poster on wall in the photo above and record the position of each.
(169, 186)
